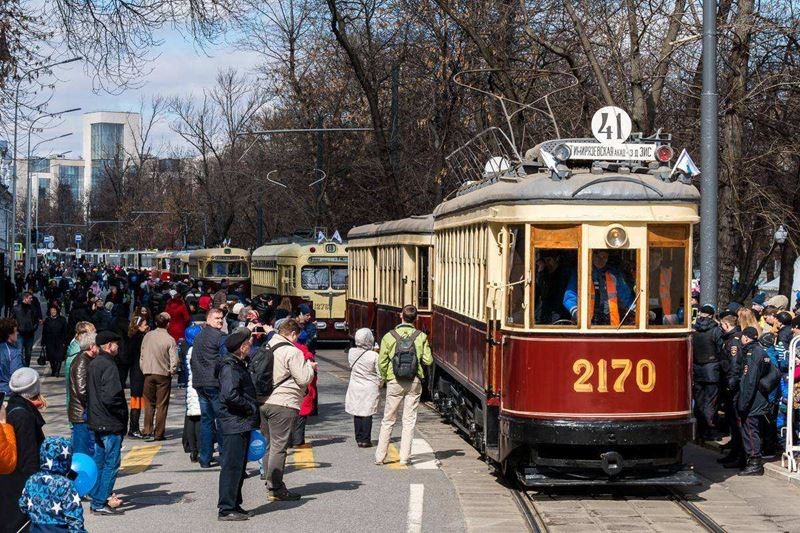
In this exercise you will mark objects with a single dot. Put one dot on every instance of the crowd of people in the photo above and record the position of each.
(740, 378)
(123, 339)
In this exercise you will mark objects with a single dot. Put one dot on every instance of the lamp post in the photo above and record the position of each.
(27, 75)
(29, 191)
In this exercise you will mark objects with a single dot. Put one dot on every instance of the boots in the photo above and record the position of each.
(133, 430)
(754, 467)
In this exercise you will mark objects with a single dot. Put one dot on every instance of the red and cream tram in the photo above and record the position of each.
(559, 331)
(390, 266)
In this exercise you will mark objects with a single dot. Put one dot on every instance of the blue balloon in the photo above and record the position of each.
(85, 467)
(257, 447)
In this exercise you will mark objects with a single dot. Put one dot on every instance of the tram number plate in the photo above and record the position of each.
(321, 307)
(645, 373)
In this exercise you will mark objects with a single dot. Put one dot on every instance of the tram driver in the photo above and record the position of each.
(612, 296)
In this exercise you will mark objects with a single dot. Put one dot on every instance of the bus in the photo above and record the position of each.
(306, 272)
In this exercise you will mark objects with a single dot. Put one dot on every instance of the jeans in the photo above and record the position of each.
(107, 457)
(27, 347)
(82, 439)
(209, 409)
(233, 466)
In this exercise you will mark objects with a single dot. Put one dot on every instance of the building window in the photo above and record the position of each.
(613, 287)
(71, 177)
(107, 141)
(40, 165)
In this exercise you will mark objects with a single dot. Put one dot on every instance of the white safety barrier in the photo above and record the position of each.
(788, 459)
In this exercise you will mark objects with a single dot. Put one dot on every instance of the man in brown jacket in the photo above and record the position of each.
(291, 374)
(159, 362)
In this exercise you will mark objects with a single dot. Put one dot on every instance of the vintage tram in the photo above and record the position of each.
(390, 266)
(559, 327)
(179, 265)
(306, 271)
(213, 265)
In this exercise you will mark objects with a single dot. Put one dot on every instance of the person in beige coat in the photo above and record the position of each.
(159, 362)
(363, 391)
(291, 374)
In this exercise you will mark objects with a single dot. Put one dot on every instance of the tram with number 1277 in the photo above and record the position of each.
(560, 313)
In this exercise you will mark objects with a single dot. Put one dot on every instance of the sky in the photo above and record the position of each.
(179, 69)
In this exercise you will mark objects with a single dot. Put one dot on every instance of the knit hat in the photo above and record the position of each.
(237, 308)
(750, 332)
(304, 309)
(760, 298)
(780, 301)
(235, 340)
(784, 317)
(25, 382)
(708, 310)
(734, 307)
(365, 339)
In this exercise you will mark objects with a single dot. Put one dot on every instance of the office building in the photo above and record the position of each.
(110, 142)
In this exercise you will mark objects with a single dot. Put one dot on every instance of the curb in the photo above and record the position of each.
(772, 469)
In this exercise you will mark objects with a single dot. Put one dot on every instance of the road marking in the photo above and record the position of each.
(139, 458)
(423, 456)
(415, 501)
(304, 457)
(393, 458)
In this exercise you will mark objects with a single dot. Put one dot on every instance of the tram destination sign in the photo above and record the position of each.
(612, 152)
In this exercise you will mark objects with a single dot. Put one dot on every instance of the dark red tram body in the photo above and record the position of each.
(533, 377)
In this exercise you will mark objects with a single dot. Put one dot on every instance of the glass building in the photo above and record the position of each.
(107, 150)
(71, 177)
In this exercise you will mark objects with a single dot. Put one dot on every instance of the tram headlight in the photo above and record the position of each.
(562, 152)
(616, 237)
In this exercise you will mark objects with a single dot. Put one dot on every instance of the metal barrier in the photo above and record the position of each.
(788, 459)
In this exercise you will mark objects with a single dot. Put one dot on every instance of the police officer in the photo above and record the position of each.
(752, 404)
(707, 348)
(611, 297)
(731, 373)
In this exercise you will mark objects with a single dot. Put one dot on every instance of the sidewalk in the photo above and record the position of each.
(772, 468)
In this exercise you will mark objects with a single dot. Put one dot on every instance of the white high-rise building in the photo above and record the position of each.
(110, 141)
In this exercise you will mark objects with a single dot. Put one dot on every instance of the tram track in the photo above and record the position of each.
(535, 516)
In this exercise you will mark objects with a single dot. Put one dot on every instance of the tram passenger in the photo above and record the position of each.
(551, 280)
(664, 291)
(611, 297)
(707, 348)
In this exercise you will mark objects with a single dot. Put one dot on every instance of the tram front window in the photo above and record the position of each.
(666, 282)
(553, 270)
(612, 287)
(339, 278)
(226, 269)
(315, 278)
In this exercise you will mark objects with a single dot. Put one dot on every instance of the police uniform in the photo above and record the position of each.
(752, 404)
(731, 373)
(707, 348)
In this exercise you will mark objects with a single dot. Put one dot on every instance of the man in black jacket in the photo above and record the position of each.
(207, 351)
(707, 351)
(27, 324)
(238, 416)
(731, 373)
(752, 403)
(108, 418)
(82, 437)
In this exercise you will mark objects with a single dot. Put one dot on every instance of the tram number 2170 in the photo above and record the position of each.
(621, 368)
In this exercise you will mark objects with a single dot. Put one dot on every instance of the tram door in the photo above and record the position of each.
(492, 250)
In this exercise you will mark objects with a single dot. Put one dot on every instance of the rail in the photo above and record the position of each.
(788, 459)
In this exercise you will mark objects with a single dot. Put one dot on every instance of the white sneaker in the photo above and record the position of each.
(378, 462)
(405, 463)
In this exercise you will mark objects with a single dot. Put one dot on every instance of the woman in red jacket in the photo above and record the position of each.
(178, 316)
(309, 405)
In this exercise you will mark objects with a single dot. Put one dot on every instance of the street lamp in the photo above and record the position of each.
(27, 75)
(28, 193)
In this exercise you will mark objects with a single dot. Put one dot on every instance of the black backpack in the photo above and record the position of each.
(404, 360)
(261, 366)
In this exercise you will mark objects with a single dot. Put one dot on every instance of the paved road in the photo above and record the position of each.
(342, 489)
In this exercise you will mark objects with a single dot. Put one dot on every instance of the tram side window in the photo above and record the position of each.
(612, 288)
(666, 277)
(423, 277)
(554, 268)
(516, 276)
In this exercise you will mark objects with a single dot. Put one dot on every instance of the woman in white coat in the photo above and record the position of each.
(364, 388)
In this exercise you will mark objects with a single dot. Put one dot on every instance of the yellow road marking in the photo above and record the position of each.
(304, 457)
(393, 458)
(139, 458)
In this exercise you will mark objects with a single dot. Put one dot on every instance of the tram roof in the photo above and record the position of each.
(229, 252)
(419, 224)
(540, 188)
(281, 249)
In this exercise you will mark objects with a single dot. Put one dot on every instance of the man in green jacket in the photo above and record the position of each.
(399, 391)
